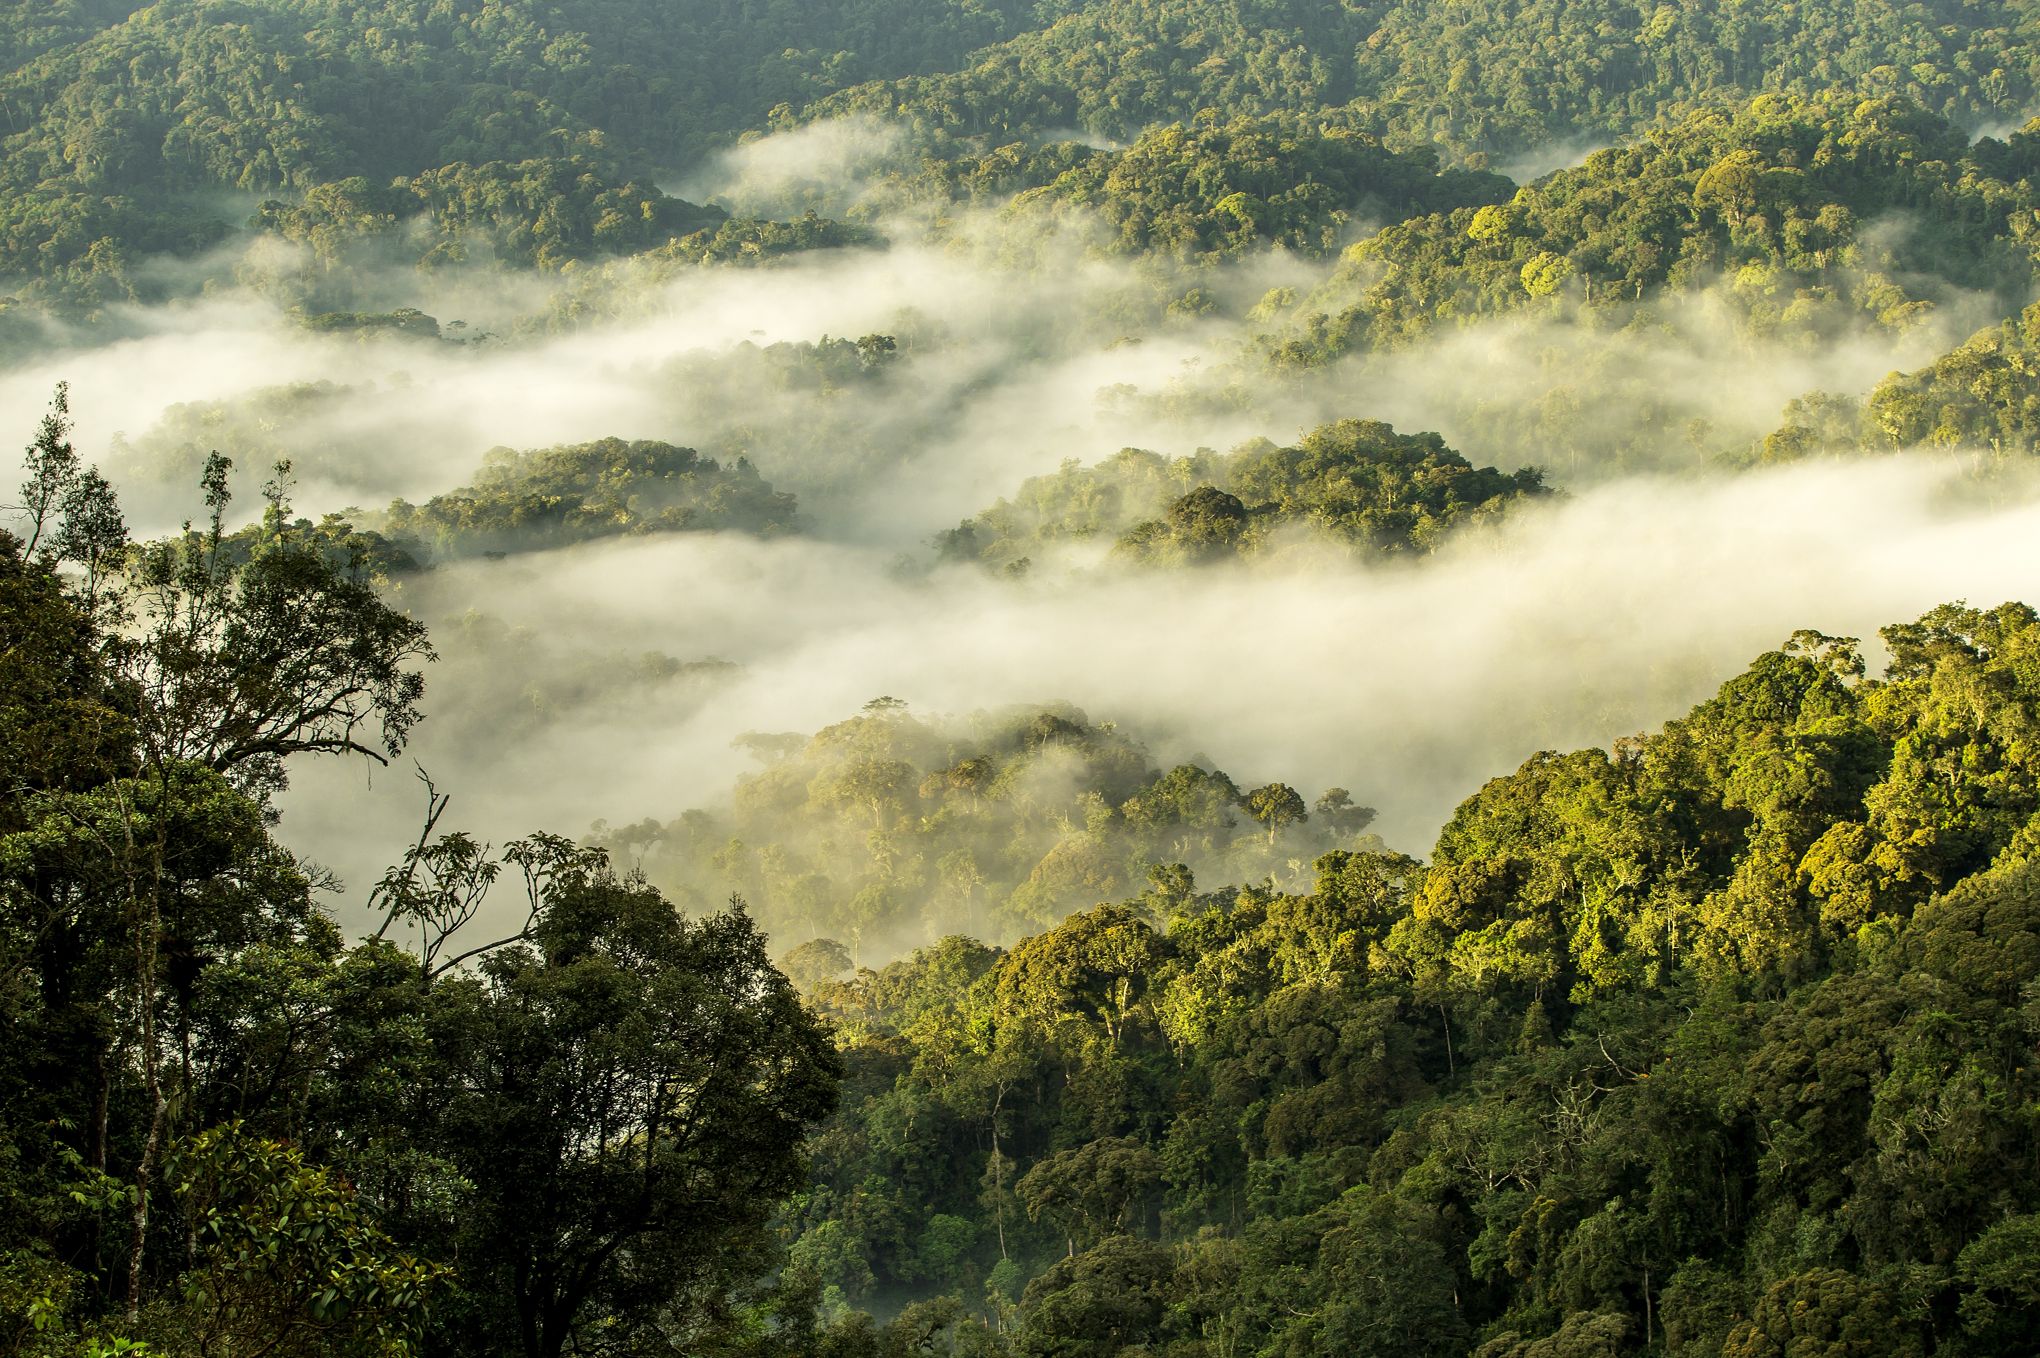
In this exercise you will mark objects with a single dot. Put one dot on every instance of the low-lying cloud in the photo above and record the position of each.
(1409, 684)
(577, 684)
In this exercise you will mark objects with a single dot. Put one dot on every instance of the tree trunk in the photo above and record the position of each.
(152, 1077)
(1646, 1306)
(998, 1175)
(102, 1097)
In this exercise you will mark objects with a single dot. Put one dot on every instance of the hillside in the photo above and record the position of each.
(1020, 679)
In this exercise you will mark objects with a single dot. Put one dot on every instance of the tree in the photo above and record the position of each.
(65, 720)
(1276, 806)
(1584, 1334)
(1735, 185)
(2001, 1267)
(226, 662)
(816, 963)
(596, 1119)
(129, 891)
(628, 1094)
(249, 653)
(1098, 1304)
(287, 1261)
(1094, 965)
(1545, 273)
(1365, 1275)
(1208, 524)
(72, 515)
(1825, 1313)
(1335, 807)
(878, 786)
(53, 469)
(1186, 796)
(1091, 1191)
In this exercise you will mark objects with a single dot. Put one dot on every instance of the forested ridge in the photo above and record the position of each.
(1357, 483)
(877, 872)
(1717, 1043)
(1479, 79)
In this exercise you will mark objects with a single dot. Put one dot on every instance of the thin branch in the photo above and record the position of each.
(435, 807)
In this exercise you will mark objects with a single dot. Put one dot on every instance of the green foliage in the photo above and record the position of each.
(1720, 1042)
(1717, 1045)
(260, 646)
(551, 214)
(552, 497)
(1825, 1311)
(1980, 395)
(224, 1131)
(1115, 69)
(1099, 1303)
(888, 829)
(1774, 198)
(543, 213)
(753, 241)
(1482, 79)
(1355, 482)
(1093, 1190)
(407, 321)
(627, 1095)
(1365, 1275)
(288, 1259)
(531, 136)
(1211, 191)
(515, 124)
(1768, 829)
(60, 709)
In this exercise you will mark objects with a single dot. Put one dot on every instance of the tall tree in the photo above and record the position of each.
(628, 1092)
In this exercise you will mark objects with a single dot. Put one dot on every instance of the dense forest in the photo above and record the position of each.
(1357, 483)
(1714, 1043)
(1020, 679)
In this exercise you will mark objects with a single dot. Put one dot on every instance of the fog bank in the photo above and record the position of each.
(1410, 685)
